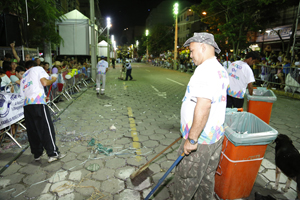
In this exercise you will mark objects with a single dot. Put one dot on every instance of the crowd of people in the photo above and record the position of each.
(269, 71)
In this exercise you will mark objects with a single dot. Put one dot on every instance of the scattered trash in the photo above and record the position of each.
(9, 145)
(93, 167)
(92, 142)
(70, 133)
(107, 105)
(112, 128)
(101, 149)
(68, 139)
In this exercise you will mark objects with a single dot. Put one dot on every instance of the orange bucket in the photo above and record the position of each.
(261, 109)
(238, 169)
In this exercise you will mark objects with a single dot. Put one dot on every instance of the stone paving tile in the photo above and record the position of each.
(14, 167)
(34, 178)
(35, 191)
(103, 174)
(47, 197)
(88, 187)
(11, 179)
(112, 186)
(128, 194)
(115, 163)
(62, 188)
(11, 191)
(124, 172)
(136, 161)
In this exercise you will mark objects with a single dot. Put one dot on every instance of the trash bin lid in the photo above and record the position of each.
(245, 129)
(262, 94)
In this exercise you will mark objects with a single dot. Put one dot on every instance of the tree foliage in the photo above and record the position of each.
(231, 20)
(42, 15)
(160, 39)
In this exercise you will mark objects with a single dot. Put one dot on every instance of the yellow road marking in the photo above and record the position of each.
(134, 135)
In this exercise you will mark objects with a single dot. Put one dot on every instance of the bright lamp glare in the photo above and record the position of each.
(108, 22)
(147, 32)
(176, 5)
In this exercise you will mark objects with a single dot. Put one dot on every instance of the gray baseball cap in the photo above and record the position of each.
(205, 38)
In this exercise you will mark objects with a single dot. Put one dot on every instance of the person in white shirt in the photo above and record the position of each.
(202, 118)
(102, 68)
(241, 77)
(39, 125)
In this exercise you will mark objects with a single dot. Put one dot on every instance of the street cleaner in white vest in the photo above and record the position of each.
(102, 68)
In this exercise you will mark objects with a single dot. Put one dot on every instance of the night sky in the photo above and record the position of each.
(129, 13)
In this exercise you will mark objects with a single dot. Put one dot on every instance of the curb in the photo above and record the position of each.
(288, 94)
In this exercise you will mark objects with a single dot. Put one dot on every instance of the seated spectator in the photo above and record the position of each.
(12, 70)
(6, 66)
(46, 68)
(296, 61)
(16, 78)
(285, 70)
(286, 65)
(274, 63)
(38, 61)
(4, 81)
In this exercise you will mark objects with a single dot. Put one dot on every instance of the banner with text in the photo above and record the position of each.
(11, 109)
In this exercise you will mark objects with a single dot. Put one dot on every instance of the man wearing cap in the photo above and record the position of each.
(128, 70)
(102, 68)
(240, 77)
(202, 117)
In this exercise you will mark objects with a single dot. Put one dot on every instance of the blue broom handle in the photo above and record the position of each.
(165, 176)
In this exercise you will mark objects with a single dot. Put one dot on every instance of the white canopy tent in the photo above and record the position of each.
(102, 49)
(76, 33)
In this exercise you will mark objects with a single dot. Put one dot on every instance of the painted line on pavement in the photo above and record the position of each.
(160, 94)
(134, 135)
(175, 82)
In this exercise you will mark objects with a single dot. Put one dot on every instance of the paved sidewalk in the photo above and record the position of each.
(137, 120)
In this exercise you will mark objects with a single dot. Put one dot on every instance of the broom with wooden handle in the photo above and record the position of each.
(144, 172)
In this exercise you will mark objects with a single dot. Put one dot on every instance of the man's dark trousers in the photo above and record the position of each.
(128, 73)
(40, 130)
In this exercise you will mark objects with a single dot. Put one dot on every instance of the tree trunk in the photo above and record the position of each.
(282, 43)
(47, 53)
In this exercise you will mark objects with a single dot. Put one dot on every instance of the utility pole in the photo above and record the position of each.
(176, 34)
(93, 52)
(108, 45)
(147, 55)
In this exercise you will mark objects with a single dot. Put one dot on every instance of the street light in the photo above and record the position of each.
(108, 47)
(175, 9)
(204, 13)
(112, 41)
(147, 33)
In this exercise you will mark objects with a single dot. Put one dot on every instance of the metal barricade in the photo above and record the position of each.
(279, 77)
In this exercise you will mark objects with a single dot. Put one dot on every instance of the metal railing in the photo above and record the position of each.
(279, 77)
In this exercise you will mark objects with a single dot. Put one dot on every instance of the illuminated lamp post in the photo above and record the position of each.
(175, 9)
(108, 44)
(147, 33)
